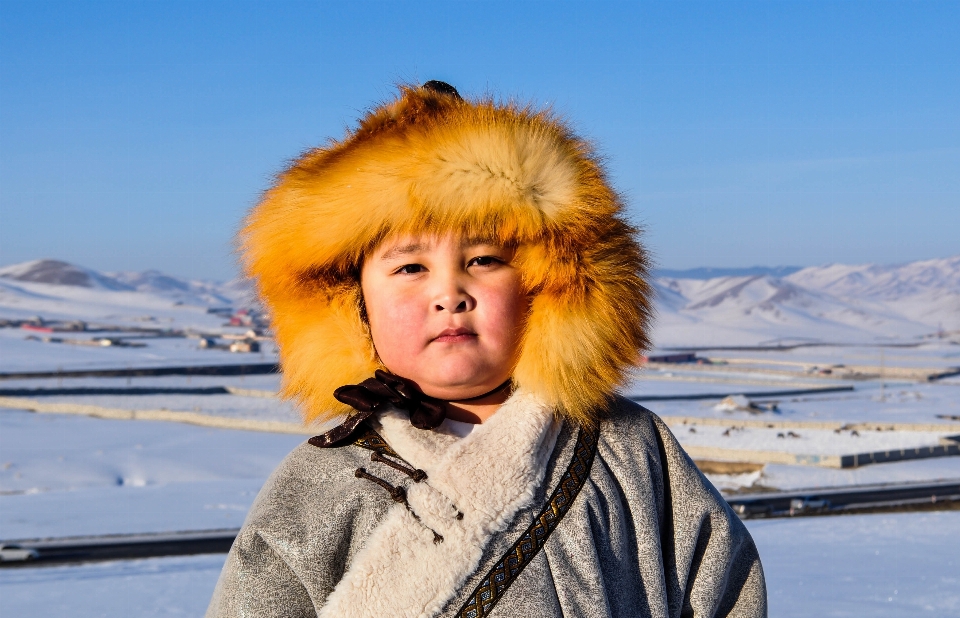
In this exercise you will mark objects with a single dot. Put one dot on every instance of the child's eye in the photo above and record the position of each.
(484, 260)
(410, 269)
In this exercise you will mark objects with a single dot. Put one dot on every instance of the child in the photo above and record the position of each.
(456, 279)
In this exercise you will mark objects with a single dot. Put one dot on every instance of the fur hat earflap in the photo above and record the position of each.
(430, 161)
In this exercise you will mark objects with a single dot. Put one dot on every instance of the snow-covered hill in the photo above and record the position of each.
(55, 272)
(186, 291)
(870, 281)
(834, 303)
(61, 275)
(56, 290)
(927, 291)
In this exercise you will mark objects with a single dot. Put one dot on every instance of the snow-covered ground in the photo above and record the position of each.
(231, 406)
(154, 588)
(895, 402)
(74, 475)
(18, 353)
(870, 565)
(66, 475)
(935, 353)
(261, 382)
(898, 402)
(21, 300)
(902, 565)
(77, 475)
(881, 566)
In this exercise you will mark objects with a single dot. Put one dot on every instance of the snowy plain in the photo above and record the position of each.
(883, 566)
(75, 475)
(82, 475)
(20, 354)
(65, 475)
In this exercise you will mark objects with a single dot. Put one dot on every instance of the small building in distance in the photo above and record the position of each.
(245, 346)
(249, 317)
(212, 343)
(38, 325)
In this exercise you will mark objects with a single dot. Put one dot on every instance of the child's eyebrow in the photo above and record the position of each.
(401, 250)
(473, 242)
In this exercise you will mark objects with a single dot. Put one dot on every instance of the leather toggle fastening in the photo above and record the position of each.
(416, 474)
(399, 494)
(374, 394)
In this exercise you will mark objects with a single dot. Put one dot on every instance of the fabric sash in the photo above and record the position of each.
(508, 568)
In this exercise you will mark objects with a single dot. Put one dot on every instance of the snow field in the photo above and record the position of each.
(72, 475)
(232, 406)
(898, 565)
(884, 566)
(77, 475)
(801, 441)
(902, 402)
(18, 354)
(153, 588)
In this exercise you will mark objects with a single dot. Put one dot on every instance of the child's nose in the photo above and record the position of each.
(454, 300)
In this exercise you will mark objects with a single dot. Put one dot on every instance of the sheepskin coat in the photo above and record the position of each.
(442, 529)
(647, 535)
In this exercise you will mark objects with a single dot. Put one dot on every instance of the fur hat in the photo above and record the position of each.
(429, 162)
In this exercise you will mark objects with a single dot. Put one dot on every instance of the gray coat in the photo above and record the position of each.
(647, 535)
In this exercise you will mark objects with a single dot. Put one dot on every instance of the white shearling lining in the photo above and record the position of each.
(488, 476)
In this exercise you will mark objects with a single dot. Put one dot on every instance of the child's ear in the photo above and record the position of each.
(362, 310)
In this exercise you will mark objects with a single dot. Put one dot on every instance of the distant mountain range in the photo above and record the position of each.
(706, 272)
(192, 292)
(699, 307)
(837, 303)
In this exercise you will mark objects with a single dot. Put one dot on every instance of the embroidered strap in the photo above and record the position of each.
(506, 571)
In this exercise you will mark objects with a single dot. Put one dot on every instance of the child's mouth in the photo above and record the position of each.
(455, 335)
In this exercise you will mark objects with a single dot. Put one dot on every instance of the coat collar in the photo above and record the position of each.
(475, 486)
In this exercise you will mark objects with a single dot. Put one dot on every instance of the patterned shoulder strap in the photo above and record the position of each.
(507, 569)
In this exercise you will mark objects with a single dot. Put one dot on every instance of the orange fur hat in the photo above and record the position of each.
(431, 162)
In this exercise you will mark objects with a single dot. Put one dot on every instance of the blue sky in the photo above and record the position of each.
(135, 135)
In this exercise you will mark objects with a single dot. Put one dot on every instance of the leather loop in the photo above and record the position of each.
(374, 394)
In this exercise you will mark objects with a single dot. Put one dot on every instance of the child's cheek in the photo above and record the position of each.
(505, 305)
(399, 334)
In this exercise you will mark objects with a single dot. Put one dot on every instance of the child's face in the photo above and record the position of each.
(445, 312)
